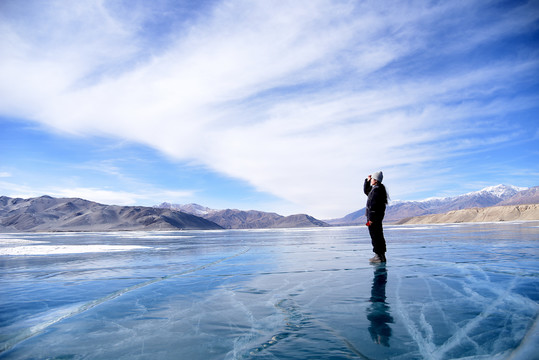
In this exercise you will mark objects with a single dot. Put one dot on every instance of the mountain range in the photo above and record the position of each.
(489, 196)
(46, 213)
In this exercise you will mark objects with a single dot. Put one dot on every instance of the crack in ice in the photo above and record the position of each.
(422, 331)
(76, 310)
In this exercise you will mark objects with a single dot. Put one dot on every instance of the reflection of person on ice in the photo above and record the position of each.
(378, 313)
(376, 208)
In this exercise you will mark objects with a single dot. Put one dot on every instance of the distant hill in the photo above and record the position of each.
(238, 219)
(46, 213)
(490, 196)
(252, 219)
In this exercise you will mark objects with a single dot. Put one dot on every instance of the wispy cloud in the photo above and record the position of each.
(116, 197)
(301, 100)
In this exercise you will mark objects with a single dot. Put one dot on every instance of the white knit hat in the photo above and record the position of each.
(378, 176)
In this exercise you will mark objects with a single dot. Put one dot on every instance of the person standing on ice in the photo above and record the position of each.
(376, 207)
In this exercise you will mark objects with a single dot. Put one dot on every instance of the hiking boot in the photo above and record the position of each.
(382, 258)
(375, 259)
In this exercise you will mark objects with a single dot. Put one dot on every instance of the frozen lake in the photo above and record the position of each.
(447, 292)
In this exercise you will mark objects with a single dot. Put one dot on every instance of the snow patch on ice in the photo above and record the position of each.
(12, 241)
(65, 249)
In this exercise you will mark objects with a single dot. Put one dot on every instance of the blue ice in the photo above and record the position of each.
(467, 291)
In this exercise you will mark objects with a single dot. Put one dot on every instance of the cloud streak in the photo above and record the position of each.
(301, 100)
(104, 196)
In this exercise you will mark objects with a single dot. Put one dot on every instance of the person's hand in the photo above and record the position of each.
(369, 223)
(369, 177)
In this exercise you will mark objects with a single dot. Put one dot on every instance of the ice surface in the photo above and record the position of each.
(447, 292)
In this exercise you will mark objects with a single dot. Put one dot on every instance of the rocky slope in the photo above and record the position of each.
(72, 214)
(487, 214)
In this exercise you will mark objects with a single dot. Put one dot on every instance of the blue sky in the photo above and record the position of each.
(276, 106)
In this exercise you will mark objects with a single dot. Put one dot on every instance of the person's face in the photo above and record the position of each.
(373, 181)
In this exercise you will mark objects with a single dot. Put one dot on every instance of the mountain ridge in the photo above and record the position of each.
(46, 213)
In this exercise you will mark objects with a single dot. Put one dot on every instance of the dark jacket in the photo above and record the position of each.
(376, 201)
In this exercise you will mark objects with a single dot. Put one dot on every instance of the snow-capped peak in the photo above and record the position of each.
(501, 190)
(193, 209)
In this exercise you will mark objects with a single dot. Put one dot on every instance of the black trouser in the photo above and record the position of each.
(377, 238)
